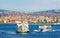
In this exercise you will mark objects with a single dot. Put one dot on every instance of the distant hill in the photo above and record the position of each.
(45, 13)
(8, 12)
(2, 10)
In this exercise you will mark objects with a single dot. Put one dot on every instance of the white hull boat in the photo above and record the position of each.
(22, 27)
(45, 28)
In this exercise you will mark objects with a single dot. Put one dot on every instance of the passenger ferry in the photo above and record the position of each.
(22, 26)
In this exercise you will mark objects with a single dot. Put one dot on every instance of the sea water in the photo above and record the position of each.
(9, 31)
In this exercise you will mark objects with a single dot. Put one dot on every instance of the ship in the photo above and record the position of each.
(22, 26)
(45, 28)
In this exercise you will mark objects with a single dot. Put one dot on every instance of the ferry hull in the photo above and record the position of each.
(22, 28)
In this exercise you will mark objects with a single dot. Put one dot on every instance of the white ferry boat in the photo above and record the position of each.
(45, 28)
(22, 26)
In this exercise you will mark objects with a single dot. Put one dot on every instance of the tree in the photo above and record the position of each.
(45, 21)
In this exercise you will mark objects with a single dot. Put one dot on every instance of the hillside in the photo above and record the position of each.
(48, 12)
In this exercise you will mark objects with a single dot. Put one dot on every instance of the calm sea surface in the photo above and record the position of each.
(9, 31)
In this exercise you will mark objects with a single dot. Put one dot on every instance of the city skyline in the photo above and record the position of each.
(29, 5)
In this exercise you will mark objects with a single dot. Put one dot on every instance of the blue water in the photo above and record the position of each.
(9, 31)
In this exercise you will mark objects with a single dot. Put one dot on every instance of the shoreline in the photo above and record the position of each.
(35, 24)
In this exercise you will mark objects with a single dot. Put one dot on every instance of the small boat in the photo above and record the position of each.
(45, 28)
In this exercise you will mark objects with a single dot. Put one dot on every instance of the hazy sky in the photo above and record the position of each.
(29, 5)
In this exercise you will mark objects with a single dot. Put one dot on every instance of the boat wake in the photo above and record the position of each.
(56, 30)
(36, 30)
(7, 32)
